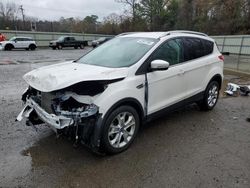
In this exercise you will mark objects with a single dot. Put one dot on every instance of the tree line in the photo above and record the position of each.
(210, 16)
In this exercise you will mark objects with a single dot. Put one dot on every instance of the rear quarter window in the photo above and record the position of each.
(208, 47)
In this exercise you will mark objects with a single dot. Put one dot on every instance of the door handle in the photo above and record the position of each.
(181, 72)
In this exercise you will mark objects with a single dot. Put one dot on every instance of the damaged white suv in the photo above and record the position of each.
(102, 98)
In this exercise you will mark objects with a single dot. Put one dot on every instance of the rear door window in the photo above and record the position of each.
(195, 48)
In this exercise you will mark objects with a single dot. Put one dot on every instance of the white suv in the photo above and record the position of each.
(18, 43)
(105, 96)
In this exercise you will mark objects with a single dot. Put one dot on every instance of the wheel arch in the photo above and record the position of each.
(32, 44)
(127, 102)
(217, 78)
(9, 44)
(101, 120)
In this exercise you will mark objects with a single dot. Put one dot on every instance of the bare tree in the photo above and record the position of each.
(132, 4)
(8, 13)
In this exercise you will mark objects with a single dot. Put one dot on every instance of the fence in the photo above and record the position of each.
(238, 47)
(43, 38)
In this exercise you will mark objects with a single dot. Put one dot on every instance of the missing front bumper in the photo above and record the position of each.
(56, 122)
(85, 127)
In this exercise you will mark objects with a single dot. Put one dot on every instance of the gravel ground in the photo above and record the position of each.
(187, 148)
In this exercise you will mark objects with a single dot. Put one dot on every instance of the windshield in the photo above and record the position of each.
(119, 52)
(12, 38)
(60, 38)
(101, 39)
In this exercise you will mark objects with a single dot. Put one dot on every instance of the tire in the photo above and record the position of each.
(9, 47)
(211, 96)
(32, 47)
(59, 47)
(113, 138)
(75, 47)
(54, 48)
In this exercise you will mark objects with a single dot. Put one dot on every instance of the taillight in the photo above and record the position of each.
(221, 57)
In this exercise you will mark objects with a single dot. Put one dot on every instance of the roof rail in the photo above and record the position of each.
(184, 31)
(127, 33)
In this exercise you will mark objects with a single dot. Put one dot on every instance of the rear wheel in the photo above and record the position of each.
(120, 129)
(60, 47)
(53, 47)
(210, 97)
(75, 47)
(32, 47)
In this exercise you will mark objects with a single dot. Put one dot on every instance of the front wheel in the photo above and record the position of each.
(8, 47)
(210, 97)
(120, 129)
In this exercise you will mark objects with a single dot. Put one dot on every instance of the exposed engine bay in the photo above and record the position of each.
(70, 111)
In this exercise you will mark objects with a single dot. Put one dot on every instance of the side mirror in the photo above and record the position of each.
(159, 65)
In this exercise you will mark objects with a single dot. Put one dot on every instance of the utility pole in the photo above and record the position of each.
(22, 10)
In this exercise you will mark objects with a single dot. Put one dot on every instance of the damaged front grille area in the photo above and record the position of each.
(66, 112)
(60, 104)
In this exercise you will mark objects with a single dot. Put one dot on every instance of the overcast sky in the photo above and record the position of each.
(54, 9)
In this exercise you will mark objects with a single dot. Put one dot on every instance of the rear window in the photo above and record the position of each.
(195, 48)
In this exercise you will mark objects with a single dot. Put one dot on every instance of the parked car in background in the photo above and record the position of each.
(18, 43)
(67, 41)
(99, 41)
(104, 97)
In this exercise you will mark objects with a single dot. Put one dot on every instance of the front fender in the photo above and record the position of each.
(118, 91)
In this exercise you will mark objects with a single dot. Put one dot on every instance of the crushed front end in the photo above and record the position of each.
(65, 111)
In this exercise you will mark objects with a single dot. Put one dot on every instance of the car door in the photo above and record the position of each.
(67, 41)
(197, 63)
(167, 87)
(72, 41)
(18, 43)
(26, 42)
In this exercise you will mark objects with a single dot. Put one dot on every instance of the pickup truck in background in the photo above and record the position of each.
(67, 41)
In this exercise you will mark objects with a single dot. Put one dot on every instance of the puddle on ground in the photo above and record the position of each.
(7, 62)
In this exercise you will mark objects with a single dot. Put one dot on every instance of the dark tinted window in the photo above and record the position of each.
(195, 48)
(171, 51)
(208, 47)
(24, 39)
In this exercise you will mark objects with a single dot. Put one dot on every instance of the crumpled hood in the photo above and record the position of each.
(59, 76)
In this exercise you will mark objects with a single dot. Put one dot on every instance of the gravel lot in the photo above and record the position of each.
(187, 148)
